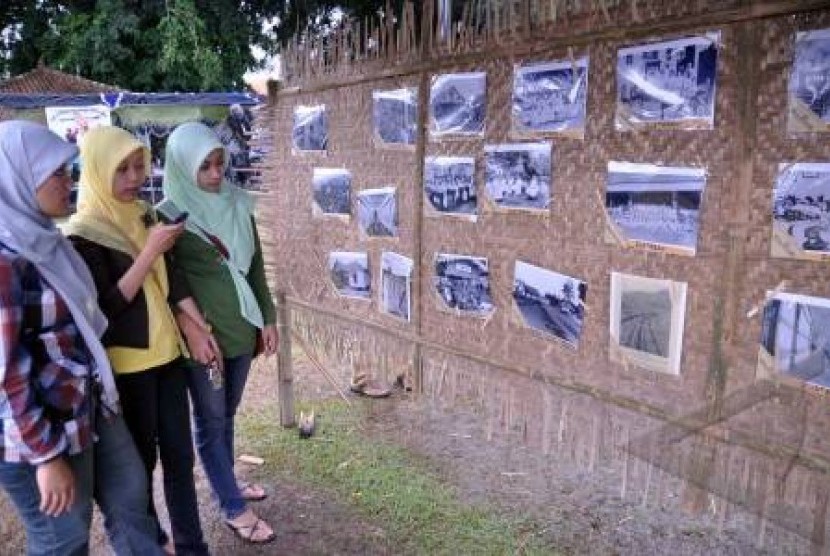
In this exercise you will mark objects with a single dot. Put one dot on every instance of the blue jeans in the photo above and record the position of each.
(213, 412)
(110, 472)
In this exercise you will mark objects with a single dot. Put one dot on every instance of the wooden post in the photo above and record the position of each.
(285, 375)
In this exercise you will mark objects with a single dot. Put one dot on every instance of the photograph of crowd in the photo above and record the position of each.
(395, 116)
(332, 191)
(809, 87)
(449, 185)
(311, 131)
(377, 213)
(463, 283)
(801, 211)
(518, 176)
(671, 81)
(550, 97)
(655, 204)
(647, 318)
(395, 285)
(550, 302)
(795, 336)
(349, 272)
(457, 104)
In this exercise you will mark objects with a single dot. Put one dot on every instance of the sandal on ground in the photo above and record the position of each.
(369, 387)
(250, 533)
(252, 492)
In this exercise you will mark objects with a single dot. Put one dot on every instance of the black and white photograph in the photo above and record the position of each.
(801, 211)
(550, 98)
(550, 302)
(332, 192)
(311, 130)
(377, 213)
(668, 82)
(457, 104)
(647, 317)
(395, 117)
(518, 175)
(809, 87)
(655, 206)
(795, 337)
(463, 283)
(396, 285)
(449, 186)
(349, 272)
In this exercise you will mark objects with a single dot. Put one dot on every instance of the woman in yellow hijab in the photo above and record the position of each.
(147, 302)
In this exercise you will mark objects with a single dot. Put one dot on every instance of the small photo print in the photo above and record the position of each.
(550, 302)
(670, 82)
(801, 212)
(655, 206)
(550, 98)
(332, 192)
(463, 283)
(518, 176)
(396, 285)
(795, 338)
(647, 317)
(377, 213)
(449, 185)
(457, 104)
(809, 87)
(310, 131)
(395, 117)
(349, 272)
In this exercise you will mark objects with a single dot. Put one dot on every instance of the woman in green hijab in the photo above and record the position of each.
(221, 256)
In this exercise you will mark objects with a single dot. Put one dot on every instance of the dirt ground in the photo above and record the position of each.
(580, 513)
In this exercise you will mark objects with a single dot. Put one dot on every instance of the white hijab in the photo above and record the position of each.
(29, 155)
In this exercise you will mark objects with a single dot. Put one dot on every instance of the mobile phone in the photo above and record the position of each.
(181, 217)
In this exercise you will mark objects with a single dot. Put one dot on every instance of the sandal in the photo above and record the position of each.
(364, 385)
(248, 533)
(252, 492)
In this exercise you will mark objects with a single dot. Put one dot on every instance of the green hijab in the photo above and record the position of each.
(226, 214)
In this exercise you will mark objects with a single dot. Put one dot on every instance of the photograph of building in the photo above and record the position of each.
(377, 213)
(550, 302)
(672, 81)
(457, 104)
(655, 204)
(463, 283)
(518, 176)
(310, 132)
(449, 184)
(550, 97)
(801, 211)
(349, 272)
(809, 86)
(396, 285)
(332, 191)
(395, 116)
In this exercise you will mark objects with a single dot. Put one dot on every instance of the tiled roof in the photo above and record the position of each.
(47, 80)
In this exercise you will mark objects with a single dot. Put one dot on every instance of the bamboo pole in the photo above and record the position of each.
(285, 373)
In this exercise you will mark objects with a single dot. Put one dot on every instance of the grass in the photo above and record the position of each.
(393, 488)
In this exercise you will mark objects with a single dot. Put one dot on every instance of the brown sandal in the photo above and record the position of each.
(252, 492)
(247, 533)
(369, 387)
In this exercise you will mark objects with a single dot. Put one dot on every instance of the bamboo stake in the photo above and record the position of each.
(321, 368)
(285, 375)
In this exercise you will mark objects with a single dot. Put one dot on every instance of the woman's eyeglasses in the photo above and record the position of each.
(63, 171)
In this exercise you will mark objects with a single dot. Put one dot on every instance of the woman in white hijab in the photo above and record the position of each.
(62, 441)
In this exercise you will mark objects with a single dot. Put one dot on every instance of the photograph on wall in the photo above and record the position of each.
(72, 122)
(801, 212)
(396, 285)
(809, 86)
(311, 131)
(795, 338)
(331, 192)
(349, 272)
(647, 317)
(550, 302)
(655, 207)
(463, 284)
(669, 83)
(377, 213)
(550, 98)
(518, 175)
(449, 186)
(457, 104)
(395, 115)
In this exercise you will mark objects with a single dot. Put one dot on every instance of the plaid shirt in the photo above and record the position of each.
(45, 382)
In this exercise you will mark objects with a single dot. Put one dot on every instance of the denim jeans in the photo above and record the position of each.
(157, 413)
(110, 472)
(213, 414)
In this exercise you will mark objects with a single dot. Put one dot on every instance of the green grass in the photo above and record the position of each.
(386, 484)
